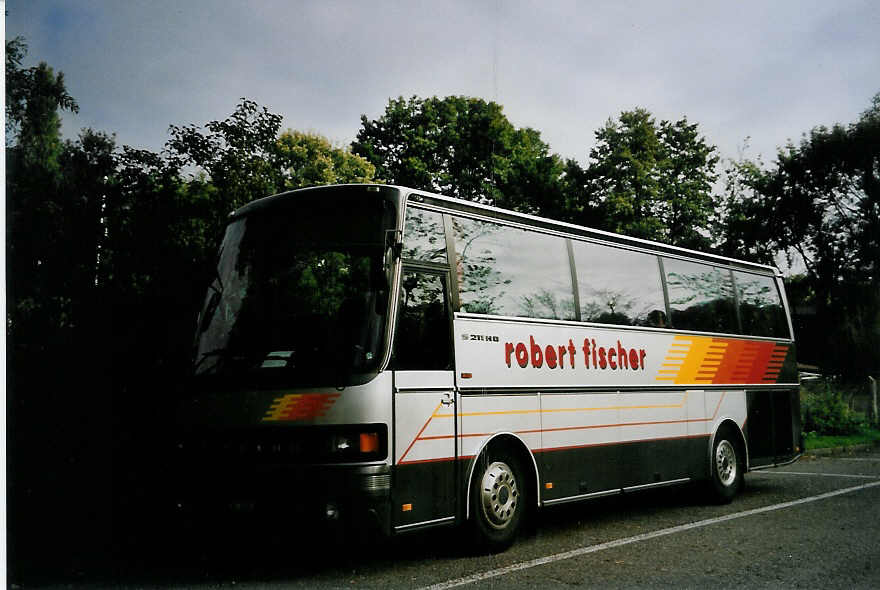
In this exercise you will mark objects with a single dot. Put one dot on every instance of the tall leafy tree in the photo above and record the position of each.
(687, 173)
(235, 155)
(33, 98)
(308, 159)
(623, 174)
(462, 147)
(827, 192)
(53, 217)
(246, 157)
(820, 204)
(653, 180)
(36, 201)
(736, 234)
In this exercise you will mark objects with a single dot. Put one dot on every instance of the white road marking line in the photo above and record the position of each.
(816, 474)
(524, 565)
(858, 458)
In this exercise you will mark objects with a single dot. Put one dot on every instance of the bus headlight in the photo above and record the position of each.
(342, 443)
(357, 444)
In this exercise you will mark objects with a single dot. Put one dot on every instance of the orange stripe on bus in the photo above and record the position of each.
(711, 360)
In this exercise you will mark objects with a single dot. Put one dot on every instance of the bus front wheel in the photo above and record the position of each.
(498, 501)
(727, 467)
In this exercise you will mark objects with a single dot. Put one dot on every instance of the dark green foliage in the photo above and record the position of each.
(737, 234)
(33, 97)
(57, 387)
(646, 180)
(820, 205)
(650, 181)
(825, 411)
(307, 159)
(109, 251)
(235, 154)
(462, 147)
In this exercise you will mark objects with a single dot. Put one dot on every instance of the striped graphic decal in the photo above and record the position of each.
(703, 360)
(300, 406)
(439, 414)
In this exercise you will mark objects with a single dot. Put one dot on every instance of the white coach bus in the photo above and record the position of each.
(423, 361)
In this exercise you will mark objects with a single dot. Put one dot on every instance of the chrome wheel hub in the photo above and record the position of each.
(498, 495)
(725, 462)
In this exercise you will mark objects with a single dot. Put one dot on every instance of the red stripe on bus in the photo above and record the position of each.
(567, 448)
(431, 417)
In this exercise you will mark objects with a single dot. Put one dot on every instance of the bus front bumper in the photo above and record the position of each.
(318, 494)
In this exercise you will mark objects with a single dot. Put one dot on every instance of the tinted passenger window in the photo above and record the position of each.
(617, 286)
(423, 237)
(700, 296)
(510, 271)
(760, 306)
(421, 340)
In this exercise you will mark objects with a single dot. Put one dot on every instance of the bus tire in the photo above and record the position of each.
(727, 467)
(498, 501)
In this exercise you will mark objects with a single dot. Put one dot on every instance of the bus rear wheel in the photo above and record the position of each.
(498, 501)
(727, 467)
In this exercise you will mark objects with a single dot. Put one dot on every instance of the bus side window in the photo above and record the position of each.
(760, 305)
(421, 339)
(510, 271)
(619, 286)
(423, 237)
(700, 296)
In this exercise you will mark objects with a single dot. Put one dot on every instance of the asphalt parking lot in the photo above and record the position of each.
(810, 524)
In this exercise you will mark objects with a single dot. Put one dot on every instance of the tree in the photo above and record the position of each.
(462, 147)
(579, 204)
(33, 98)
(236, 155)
(820, 206)
(827, 191)
(653, 181)
(56, 356)
(243, 158)
(687, 202)
(36, 201)
(308, 159)
(826, 197)
(737, 235)
(623, 174)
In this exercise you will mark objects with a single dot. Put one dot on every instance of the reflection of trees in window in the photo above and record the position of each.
(421, 289)
(323, 280)
(548, 305)
(479, 282)
(505, 270)
(421, 340)
(618, 286)
(756, 290)
(760, 306)
(607, 306)
(423, 236)
(700, 296)
(317, 304)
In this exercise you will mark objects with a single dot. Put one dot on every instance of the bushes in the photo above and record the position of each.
(825, 409)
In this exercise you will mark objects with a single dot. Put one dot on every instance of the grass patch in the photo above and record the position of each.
(823, 441)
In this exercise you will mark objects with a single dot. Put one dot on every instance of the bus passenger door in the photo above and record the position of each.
(424, 403)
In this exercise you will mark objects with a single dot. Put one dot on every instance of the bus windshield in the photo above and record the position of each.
(300, 294)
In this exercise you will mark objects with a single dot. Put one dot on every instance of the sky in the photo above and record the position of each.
(768, 71)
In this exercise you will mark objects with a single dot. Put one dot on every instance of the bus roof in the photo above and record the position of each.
(506, 215)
